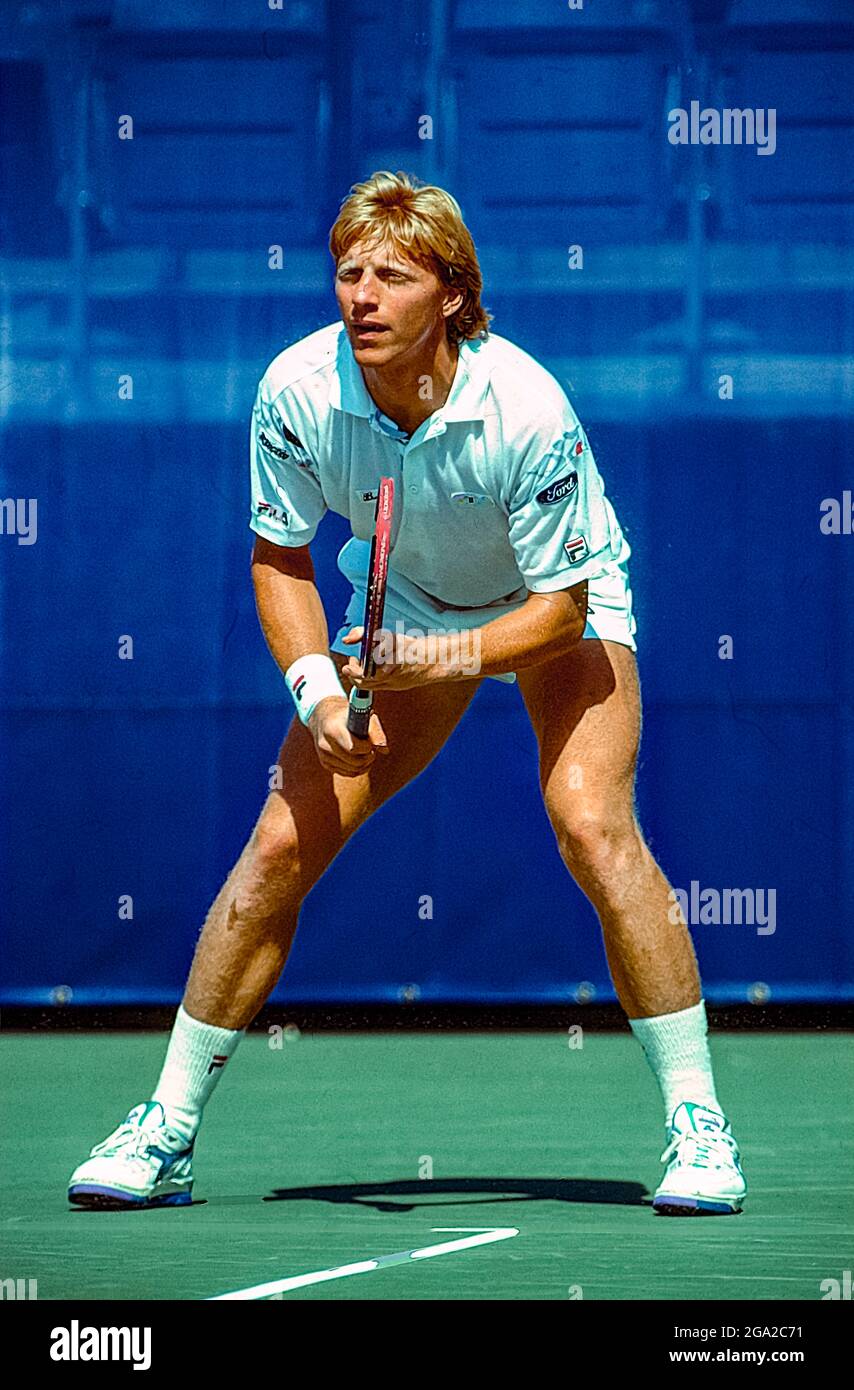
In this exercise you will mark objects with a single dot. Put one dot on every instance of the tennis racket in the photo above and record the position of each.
(361, 701)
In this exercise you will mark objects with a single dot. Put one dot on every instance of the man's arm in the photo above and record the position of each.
(294, 624)
(544, 627)
(289, 606)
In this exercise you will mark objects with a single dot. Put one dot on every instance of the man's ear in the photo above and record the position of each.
(452, 305)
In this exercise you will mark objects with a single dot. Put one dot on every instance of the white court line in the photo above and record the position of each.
(276, 1287)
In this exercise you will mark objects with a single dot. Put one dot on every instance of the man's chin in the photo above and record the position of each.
(376, 350)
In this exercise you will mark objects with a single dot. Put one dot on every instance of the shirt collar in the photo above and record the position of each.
(468, 398)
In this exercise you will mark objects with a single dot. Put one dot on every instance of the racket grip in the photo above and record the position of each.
(359, 713)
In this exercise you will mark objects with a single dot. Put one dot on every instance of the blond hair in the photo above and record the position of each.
(424, 224)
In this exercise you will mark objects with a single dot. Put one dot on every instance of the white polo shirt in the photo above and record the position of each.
(497, 493)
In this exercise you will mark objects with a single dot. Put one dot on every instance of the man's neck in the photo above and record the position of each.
(398, 389)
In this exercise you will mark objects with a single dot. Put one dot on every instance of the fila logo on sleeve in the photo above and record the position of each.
(219, 1060)
(576, 549)
(272, 513)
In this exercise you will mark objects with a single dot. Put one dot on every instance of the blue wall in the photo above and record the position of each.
(144, 777)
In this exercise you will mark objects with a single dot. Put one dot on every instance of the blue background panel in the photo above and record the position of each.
(145, 776)
(150, 258)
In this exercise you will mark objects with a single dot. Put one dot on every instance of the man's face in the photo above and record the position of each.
(375, 285)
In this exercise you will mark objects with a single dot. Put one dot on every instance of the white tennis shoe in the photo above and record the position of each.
(141, 1164)
(703, 1174)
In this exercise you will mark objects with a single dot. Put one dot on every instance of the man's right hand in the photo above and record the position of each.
(337, 748)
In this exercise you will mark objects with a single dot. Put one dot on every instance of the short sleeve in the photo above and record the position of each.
(562, 528)
(287, 501)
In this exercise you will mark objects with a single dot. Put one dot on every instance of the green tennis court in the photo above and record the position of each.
(318, 1154)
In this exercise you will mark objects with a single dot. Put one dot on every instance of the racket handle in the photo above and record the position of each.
(359, 713)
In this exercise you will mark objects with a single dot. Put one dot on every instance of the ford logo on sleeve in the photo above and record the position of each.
(559, 491)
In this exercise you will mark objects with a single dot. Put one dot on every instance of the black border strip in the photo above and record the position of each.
(422, 1018)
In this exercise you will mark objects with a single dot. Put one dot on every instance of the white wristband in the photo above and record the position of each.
(310, 679)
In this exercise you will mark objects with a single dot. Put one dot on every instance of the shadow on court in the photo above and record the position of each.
(467, 1192)
(458, 1192)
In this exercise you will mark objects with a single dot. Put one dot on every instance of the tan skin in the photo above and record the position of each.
(582, 698)
(376, 285)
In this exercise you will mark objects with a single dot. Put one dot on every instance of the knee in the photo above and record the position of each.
(274, 847)
(597, 842)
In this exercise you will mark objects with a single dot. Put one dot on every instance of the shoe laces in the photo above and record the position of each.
(128, 1139)
(704, 1150)
(131, 1140)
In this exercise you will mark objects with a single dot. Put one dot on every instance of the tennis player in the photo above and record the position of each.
(503, 535)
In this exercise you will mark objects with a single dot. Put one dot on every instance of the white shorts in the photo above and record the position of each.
(609, 606)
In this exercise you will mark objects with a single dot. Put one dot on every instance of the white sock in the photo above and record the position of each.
(195, 1060)
(677, 1049)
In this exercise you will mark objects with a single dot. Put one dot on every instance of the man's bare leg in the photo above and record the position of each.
(249, 930)
(585, 710)
(247, 936)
